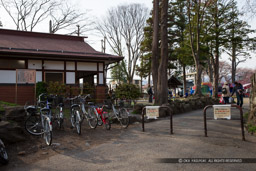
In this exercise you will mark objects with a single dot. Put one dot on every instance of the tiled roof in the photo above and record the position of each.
(49, 45)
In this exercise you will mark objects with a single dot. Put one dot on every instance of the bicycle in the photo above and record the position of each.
(91, 118)
(101, 114)
(3, 153)
(40, 124)
(58, 115)
(75, 118)
(121, 114)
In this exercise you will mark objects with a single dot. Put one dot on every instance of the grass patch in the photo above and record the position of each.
(5, 104)
(246, 115)
(251, 128)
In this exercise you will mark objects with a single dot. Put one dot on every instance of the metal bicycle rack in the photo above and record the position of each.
(241, 119)
(171, 121)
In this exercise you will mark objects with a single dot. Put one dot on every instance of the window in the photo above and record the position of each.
(137, 82)
(12, 64)
(54, 76)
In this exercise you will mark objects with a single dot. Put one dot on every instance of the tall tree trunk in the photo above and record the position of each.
(199, 70)
(210, 70)
(149, 79)
(233, 63)
(184, 80)
(155, 56)
(216, 61)
(162, 86)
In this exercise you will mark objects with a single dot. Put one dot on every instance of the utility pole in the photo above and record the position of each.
(50, 26)
(78, 30)
(103, 45)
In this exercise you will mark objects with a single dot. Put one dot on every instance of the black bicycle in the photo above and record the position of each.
(3, 153)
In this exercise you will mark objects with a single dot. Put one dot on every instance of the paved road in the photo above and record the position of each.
(135, 150)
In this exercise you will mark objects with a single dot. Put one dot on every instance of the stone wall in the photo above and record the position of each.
(182, 106)
(252, 114)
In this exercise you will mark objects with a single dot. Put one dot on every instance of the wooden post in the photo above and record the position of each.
(16, 88)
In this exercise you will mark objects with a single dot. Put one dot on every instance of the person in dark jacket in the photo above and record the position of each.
(150, 93)
(239, 90)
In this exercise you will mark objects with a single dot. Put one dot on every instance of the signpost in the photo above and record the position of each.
(152, 112)
(222, 112)
(25, 76)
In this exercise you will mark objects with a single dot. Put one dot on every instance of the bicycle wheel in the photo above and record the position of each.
(106, 117)
(92, 119)
(78, 122)
(47, 133)
(100, 122)
(3, 154)
(72, 117)
(124, 118)
(107, 124)
(59, 117)
(33, 125)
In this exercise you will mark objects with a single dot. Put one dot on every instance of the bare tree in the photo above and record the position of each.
(250, 7)
(27, 14)
(66, 17)
(224, 69)
(245, 74)
(123, 28)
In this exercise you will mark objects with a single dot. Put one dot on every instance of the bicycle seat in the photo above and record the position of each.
(61, 105)
(74, 105)
(108, 106)
(45, 110)
(31, 109)
(90, 103)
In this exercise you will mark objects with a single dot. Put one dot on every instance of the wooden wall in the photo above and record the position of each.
(24, 93)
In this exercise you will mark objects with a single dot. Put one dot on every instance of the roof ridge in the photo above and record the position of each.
(41, 34)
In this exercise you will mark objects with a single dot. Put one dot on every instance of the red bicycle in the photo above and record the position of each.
(101, 113)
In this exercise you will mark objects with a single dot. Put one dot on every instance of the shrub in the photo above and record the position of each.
(88, 89)
(56, 88)
(127, 91)
(41, 87)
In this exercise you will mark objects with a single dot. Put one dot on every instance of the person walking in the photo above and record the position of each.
(150, 93)
(226, 92)
(239, 93)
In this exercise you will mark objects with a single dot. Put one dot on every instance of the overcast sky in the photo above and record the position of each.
(98, 8)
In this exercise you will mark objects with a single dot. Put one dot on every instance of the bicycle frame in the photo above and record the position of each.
(46, 117)
(99, 112)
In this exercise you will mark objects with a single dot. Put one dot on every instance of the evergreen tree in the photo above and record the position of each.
(239, 43)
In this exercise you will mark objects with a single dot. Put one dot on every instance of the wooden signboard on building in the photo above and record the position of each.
(222, 111)
(25, 76)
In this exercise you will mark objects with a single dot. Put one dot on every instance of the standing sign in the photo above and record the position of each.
(25, 76)
(152, 112)
(222, 111)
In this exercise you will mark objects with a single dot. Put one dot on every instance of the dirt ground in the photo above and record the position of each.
(64, 140)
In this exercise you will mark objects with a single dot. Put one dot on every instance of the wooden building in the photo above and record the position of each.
(54, 57)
